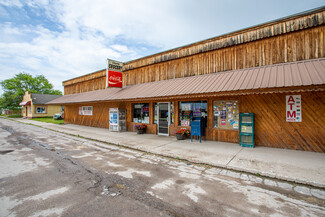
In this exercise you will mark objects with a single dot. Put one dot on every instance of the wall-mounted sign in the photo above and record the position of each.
(85, 110)
(114, 79)
(293, 104)
(114, 73)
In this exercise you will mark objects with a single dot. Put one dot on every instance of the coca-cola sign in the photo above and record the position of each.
(114, 79)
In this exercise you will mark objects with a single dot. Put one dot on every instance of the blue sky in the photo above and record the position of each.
(62, 39)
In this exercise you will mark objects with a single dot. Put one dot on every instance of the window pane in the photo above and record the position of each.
(192, 111)
(40, 109)
(141, 113)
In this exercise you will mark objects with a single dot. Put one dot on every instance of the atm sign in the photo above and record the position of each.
(293, 104)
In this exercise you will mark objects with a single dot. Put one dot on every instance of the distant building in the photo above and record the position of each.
(33, 105)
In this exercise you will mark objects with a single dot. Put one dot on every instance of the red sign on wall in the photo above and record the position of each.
(293, 104)
(114, 79)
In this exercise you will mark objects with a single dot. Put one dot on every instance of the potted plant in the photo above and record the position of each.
(182, 133)
(140, 128)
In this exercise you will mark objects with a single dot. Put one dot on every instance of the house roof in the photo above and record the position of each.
(40, 99)
(293, 74)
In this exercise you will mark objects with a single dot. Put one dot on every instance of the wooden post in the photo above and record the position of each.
(176, 111)
(210, 114)
(151, 112)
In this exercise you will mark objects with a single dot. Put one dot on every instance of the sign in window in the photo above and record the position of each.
(85, 110)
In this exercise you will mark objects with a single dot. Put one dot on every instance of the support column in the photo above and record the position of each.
(176, 115)
(151, 112)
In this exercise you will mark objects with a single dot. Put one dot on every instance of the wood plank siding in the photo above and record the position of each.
(90, 82)
(271, 128)
(295, 46)
(299, 37)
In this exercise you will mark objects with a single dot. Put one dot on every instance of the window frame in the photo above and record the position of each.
(142, 113)
(43, 107)
(86, 108)
(180, 111)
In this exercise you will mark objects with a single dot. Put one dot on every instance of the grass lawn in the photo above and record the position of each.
(48, 120)
(14, 116)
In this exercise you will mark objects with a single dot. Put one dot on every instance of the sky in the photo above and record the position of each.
(63, 39)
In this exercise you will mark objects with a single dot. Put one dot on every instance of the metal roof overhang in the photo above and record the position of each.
(301, 76)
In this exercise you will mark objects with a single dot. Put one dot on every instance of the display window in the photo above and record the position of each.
(40, 110)
(189, 111)
(85, 110)
(226, 114)
(141, 113)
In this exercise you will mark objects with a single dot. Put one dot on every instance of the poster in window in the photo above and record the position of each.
(186, 106)
(197, 112)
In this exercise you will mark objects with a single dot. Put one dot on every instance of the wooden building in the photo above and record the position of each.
(254, 70)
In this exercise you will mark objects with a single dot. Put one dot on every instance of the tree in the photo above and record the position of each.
(15, 88)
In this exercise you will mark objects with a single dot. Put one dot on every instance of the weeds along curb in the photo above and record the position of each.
(195, 163)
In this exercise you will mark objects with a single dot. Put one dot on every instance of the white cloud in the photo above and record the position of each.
(77, 36)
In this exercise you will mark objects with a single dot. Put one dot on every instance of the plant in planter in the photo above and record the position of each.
(182, 133)
(140, 128)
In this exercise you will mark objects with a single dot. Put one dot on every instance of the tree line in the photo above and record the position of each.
(15, 88)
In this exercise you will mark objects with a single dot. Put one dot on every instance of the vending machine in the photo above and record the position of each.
(117, 119)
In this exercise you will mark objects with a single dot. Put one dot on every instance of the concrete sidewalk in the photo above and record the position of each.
(290, 165)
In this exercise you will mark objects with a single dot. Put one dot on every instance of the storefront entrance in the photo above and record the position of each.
(163, 118)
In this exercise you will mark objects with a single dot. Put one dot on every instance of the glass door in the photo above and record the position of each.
(163, 118)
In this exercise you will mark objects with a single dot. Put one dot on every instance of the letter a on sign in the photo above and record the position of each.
(293, 104)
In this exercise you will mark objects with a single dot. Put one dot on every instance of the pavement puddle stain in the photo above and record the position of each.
(111, 164)
(192, 190)
(7, 204)
(147, 161)
(189, 175)
(129, 173)
(152, 194)
(259, 197)
(48, 194)
(84, 155)
(18, 164)
(49, 212)
(42, 162)
(127, 155)
(163, 185)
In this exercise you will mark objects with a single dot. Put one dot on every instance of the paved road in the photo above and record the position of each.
(45, 173)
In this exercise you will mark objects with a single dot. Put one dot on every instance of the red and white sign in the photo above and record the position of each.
(293, 113)
(114, 79)
(85, 110)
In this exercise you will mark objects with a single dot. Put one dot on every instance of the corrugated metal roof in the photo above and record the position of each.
(293, 74)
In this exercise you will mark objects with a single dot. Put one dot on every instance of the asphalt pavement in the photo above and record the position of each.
(300, 167)
(49, 173)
